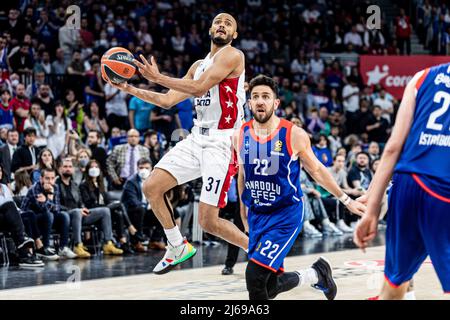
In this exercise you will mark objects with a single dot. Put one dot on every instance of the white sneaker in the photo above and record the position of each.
(174, 256)
(67, 253)
(310, 231)
(343, 227)
(330, 229)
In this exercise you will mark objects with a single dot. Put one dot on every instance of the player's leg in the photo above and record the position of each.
(405, 250)
(178, 166)
(211, 222)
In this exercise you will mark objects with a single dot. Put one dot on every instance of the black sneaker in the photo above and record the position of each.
(127, 248)
(326, 283)
(30, 261)
(26, 243)
(227, 271)
(47, 254)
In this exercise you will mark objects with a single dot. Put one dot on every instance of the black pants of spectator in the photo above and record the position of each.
(232, 212)
(117, 121)
(336, 211)
(141, 217)
(11, 221)
(401, 45)
(120, 220)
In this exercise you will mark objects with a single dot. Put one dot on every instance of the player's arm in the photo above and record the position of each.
(393, 148)
(240, 180)
(164, 100)
(301, 145)
(230, 59)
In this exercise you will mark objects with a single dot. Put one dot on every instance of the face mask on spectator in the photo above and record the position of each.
(110, 30)
(144, 173)
(94, 172)
(84, 162)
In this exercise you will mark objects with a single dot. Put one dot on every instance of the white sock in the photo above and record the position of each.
(307, 276)
(409, 296)
(174, 236)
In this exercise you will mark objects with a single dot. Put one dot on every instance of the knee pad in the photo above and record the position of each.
(256, 278)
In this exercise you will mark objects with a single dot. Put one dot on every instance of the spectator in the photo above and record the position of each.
(75, 111)
(21, 183)
(300, 67)
(97, 151)
(116, 107)
(377, 126)
(32, 89)
(374, 151)
(362, 117)
(335, 140)
(93, 120)
(324, 116)
(59, 125)
(46, 102)
(315, 124)
(43, 200)
(334, 103)
(360, 176)
(83, 157)
(6, 155)
(21, 106)
(93, 195)
(11, 222)
(139, 112)
(21, 62)
(354, 38)
(322, 151)
(317, 65)
(350, 97)
(185, 114)
(45, 160)
(139, 210)
(71, 202)
(165, 121)
(151, 142)
(403, 30)
(122, 162)
(36, 120)
(59, 66)
(25, 157)
(44, 63)
(387, 107)
(6, 110)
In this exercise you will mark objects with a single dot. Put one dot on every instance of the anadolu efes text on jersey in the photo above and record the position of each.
(271, 170)
(221, 107)
(427, 149)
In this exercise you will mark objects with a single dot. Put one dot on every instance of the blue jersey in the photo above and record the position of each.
(426, 152)
(271, 170)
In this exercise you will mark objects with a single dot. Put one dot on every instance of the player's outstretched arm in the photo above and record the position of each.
(301, 145)
(164, 100)
(224, 64)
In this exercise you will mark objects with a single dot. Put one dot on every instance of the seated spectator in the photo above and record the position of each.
(82, 158)
(21, 107)
(71, 202)
(122, 162)
(377, 126)
(75, 111)
(94, 140)
(93, 120)
(45, 99)
(45, 160)
(10, 221)
(42, 203)
(360, 176)
(386, 105)
(151, 142)
(36, 119)
(25, 157)
(318, 208)
(6, 110)
(335, 140)
(21, 183)
(374, 151)
(139, 210)
(59, 125)
(314, 123)
(93, 195)
(354, 38)
(322, 151)
(6, 154)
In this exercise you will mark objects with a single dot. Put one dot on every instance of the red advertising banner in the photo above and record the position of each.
(394, 72)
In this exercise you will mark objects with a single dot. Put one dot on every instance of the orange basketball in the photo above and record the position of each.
(117, 65)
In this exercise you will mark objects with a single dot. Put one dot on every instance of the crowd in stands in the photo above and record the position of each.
(74, 151)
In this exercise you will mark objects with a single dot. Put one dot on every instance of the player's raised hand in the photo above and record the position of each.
(356, 207)
(149, 70)
(365, 231)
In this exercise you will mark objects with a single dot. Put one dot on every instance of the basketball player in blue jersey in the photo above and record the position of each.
(269, 150)
(418, 154)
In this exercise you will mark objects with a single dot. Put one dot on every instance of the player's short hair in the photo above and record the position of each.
(262, 80)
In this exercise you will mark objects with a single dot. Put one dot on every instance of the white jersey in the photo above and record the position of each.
(222, 106)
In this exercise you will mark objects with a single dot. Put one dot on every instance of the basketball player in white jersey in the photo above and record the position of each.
(217, 83)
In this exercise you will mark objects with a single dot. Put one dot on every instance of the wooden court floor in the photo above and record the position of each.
(358, 275)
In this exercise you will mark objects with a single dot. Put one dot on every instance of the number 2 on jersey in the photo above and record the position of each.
(438, 97)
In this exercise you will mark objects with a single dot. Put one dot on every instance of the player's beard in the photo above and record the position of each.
(220, 42)
(264, 118)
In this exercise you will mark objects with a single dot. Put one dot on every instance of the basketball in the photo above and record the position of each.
(117, 65)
